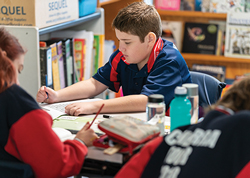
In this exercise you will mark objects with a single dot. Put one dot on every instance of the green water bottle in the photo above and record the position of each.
(180, 108)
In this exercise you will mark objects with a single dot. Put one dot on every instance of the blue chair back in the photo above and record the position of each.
(209, 89)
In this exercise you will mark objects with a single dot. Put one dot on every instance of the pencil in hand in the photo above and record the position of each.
(96, 116)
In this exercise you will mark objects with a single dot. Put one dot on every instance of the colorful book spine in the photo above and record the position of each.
(55, 67)
(79, 56)
(46, 67)
(61, 64)
(68, 68)
(96, 53)
(168, 4)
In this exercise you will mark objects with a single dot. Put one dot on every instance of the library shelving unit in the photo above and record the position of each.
(234, 66)
(29, 37)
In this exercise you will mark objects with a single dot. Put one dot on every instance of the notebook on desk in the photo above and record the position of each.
(71, 123)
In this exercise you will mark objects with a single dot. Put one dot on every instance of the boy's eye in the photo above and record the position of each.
(127, 43)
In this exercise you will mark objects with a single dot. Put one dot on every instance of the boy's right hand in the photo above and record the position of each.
(46, 95)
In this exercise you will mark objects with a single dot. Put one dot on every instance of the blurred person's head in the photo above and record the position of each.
(11, 59)
(237, 97)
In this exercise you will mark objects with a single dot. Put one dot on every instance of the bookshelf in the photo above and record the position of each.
(29, 37)
(234, 66)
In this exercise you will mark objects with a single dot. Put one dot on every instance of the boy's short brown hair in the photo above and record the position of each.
(138, 19)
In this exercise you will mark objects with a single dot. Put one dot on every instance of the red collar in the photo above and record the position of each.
(155, 52)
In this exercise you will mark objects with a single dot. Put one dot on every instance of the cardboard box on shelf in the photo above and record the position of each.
(39, 13)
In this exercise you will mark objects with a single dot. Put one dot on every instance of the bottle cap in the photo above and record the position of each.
(180, 90)
(192, 89)
(155, 98)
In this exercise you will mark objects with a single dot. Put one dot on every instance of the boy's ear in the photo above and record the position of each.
(151, 38)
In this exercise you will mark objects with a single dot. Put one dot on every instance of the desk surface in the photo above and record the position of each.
(57, 109)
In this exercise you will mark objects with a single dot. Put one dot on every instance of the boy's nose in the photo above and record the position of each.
(121, 47)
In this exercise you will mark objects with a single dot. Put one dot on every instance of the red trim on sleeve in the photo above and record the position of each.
(32, 141)
(245, 172)
(135, 166)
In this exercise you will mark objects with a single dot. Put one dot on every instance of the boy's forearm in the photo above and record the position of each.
(131, 103)
(81, 90)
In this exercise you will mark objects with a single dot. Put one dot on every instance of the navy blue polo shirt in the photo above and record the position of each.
(164, 70)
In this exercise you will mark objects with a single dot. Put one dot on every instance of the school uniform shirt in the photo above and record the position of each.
(217, 147)
(26, 136)
(164, 70)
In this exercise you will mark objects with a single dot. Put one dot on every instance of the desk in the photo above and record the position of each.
(57, 109)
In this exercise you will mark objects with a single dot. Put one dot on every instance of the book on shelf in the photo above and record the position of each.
(188, 5)
(46, 65)
(197, 5)
(61, 62)
(172, 31)
(55, 67)
(205, 6)
(238, 35)
(247, 5)
(221, 36)
(88, 36)
(167, 4)
(225, 6)
(67, 61)
(200, 38)
(218, 72)
(79, 54)
(96, 53)
(101, 49)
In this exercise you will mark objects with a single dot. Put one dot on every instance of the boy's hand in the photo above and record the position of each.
(75, 109)
(46, 95)
(86, 135)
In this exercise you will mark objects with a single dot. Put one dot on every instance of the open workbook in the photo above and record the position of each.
(71, 123)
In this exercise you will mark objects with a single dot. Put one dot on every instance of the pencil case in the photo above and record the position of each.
(130, 133)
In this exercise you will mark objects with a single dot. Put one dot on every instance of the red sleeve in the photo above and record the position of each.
(135, 166)
(32, 141)
(245, 172)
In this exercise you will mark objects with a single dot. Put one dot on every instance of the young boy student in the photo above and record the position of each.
(144, 64)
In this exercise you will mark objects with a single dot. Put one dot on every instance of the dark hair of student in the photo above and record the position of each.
(10, 50)
(237, 97)
(138, 19)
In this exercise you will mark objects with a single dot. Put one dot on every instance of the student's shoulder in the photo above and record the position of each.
(21, 97)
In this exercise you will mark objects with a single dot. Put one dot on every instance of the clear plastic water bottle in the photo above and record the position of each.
(192, 95)
(180, 108)
(156, 111)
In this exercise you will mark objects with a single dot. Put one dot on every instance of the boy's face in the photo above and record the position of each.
(134, 51)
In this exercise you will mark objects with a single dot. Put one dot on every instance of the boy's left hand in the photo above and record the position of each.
(75, 109)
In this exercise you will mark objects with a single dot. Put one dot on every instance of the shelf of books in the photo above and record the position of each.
(60, 55)
(210, 38)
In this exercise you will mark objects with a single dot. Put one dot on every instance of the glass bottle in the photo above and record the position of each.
(156, 111)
